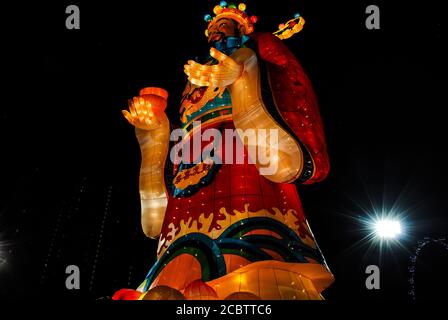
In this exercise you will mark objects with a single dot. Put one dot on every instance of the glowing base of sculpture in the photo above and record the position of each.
(264, 280)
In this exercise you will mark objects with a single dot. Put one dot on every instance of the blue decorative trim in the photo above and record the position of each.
(192, 189)
(200, 244)
(251, 252)
(210, 252)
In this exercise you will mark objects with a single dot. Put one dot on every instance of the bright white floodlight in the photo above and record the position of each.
(387, 228)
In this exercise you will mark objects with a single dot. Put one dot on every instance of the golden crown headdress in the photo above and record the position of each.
(239, 14)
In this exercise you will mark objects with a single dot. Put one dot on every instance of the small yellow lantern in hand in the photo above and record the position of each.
(146, 110)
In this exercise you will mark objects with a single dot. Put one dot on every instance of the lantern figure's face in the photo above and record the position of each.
(222, 29)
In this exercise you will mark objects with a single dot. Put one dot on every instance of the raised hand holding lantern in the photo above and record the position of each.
(146, 113)
(146, 109)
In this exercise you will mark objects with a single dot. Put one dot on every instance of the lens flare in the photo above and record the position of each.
(387, 228)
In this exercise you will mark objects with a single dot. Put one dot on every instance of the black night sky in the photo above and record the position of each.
(69, 161)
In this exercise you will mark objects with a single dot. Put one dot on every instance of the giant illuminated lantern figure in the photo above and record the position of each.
(230, 231)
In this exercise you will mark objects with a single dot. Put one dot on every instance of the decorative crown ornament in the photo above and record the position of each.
(239, 14)
(290, 28)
